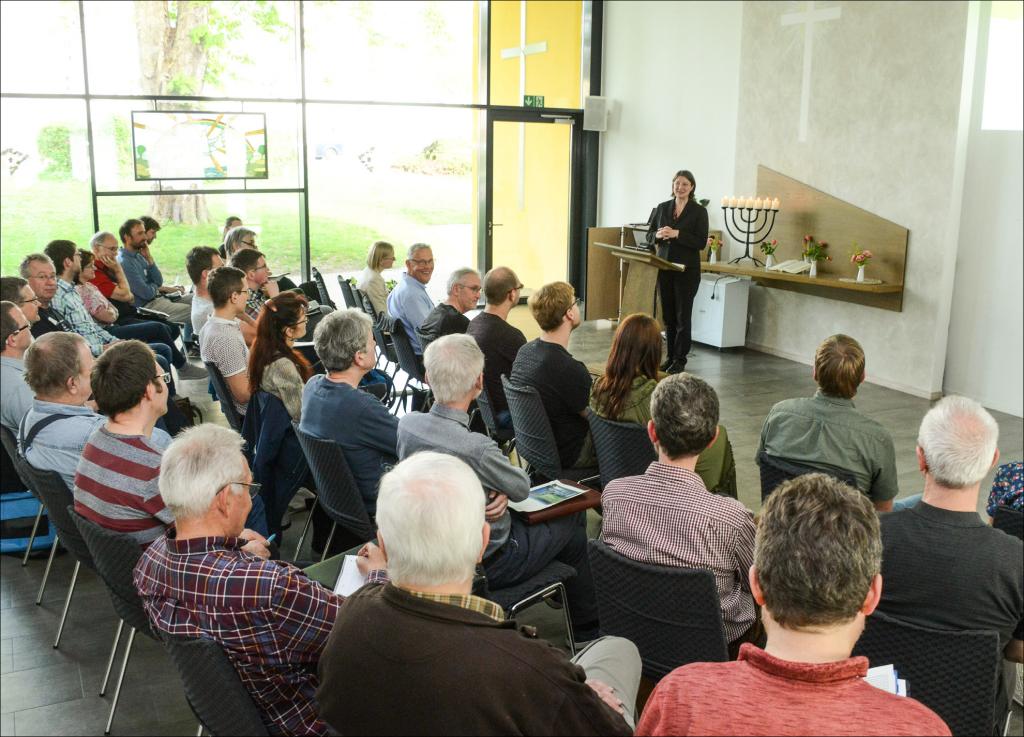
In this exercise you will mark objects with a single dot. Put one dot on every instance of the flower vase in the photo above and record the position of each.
(769, 261)
(860, 273)
(713, 257)
(814, 268)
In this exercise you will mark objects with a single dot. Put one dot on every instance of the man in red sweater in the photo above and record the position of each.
(817, 558)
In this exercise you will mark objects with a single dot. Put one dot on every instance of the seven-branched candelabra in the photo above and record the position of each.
(754, 225)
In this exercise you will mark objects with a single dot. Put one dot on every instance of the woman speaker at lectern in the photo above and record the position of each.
(679, 230)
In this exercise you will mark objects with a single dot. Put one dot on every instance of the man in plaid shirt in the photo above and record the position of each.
(210, 578)
(667, 517)
(257, 280)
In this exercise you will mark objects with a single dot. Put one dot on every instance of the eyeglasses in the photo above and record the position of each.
(164, 376)
(249, 243)
(18, 330)
(475, 290)
(44, 277)
(262, 268)
(27, 301)
(422, 261)
(253, 487)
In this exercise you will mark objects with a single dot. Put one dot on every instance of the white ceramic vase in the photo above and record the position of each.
(713, 257)
(860, 273)
(769, 261)
(814, 268)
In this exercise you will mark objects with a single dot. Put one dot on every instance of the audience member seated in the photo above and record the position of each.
(238, 239)
(516, 550)
(16, 335)
(623, 394)
(449, 317)
(826, 431)
(37, 270)
(257, 280)
(562, 382)
(371, 281)
(423, 655)
(333, 407)
(409, 302)
(116, 481)
(209, 578)
(943, 566)
(1007, 488)
(667, 517)
(816, 576)
(199, 262)
(144, 276)
(274, 364)
(100, 308)
(110, 279)
(220, 341)
(16, 290)
(53, 433)
(230, 222)
(499, 341)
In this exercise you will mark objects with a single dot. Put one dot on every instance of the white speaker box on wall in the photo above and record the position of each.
(595, 113)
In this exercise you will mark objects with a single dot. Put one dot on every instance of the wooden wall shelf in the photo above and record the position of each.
(761, 275)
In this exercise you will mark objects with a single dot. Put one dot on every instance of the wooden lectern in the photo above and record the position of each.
(622, 280)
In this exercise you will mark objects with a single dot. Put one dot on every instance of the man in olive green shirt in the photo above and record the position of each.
(828, 433)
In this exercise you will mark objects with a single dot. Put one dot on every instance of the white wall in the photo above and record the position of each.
(985, 351)
(672, 72)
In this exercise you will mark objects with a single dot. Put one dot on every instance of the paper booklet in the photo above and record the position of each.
(886, 678)
(546, 495)
(350, 579)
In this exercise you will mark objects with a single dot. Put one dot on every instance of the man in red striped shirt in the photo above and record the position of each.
(117, 476)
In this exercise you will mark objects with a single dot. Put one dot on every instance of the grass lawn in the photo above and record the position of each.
(348, 209)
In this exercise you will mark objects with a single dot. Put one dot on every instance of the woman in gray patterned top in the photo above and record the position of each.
(274, 364)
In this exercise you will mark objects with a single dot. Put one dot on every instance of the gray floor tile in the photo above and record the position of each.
(39, 687)
(6, 725)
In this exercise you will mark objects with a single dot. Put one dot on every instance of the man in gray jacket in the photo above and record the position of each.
(516, 551)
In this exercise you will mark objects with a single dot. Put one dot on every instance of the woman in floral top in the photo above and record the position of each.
(1007, 488)
(99, 306)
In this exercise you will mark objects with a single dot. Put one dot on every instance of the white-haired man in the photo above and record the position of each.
(209, 577)
(449, 317)
(516, 550)
(943, 566)
(409, 302)
(423, 655)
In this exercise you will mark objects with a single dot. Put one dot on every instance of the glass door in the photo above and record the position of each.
(530, 222)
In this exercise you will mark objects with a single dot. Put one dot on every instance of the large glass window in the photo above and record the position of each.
(41, 47)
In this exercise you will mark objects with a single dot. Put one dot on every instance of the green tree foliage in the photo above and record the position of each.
(54, 145)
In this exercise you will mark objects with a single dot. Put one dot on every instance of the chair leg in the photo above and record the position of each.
(199, 732)
(305, 529)
(568, 620)
(32, 537)
(46, 573)
(120, 679)
(67, 604)
(330, 539)
(110, 660)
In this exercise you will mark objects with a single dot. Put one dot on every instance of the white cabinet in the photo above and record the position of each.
(720, 311)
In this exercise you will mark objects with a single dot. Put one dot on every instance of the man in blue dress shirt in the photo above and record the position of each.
(409, 302)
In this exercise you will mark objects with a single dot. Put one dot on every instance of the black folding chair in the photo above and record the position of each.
(215, 693)
(955, 674)
(227, 404)
(346, 292)
(547, 583)
(622, 448)
(1010, 521)
(410, 363)
(775, 471)
(18, 463)
(337, 490)
(115, 555)
(505, 437)
(321, 288)
(673, 615)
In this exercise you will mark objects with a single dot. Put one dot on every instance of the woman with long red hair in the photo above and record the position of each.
(623, 394)
(274, 364)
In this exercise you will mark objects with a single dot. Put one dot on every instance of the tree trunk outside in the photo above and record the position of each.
(168, 58)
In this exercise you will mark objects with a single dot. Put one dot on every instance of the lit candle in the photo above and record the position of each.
(733, 202)
(757, 204)
(725, 201)
(775, 204)
(750, 203)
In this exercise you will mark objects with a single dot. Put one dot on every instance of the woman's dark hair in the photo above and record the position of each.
(636, 351)
(87, 259)
(687, 174)
(281, 312)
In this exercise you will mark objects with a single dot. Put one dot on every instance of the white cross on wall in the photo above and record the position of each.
(808, 18)
(522, 51)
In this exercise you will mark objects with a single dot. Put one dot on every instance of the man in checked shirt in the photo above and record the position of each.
(202, 579)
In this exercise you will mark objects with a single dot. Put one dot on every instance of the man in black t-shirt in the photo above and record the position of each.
(449, 317)
(562, 382)
(499, 341)
(944, 567)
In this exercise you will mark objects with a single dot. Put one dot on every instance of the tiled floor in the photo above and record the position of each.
(47, 691)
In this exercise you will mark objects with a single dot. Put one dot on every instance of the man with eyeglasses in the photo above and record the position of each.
(449, 317)
(260, 286)
(144, 276)
(220, 340)
(499, 341)
(38, 271)
(17, 290)
(16, 335)
(209, 578)
(409, 302)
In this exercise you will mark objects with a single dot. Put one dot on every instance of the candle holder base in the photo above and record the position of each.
(746, 257)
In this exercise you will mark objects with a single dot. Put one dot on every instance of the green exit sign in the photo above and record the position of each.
(533, 100)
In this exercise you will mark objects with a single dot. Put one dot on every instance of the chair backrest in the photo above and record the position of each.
(337, 491)
(346, 292)
(623, 448)
(1010, 521)
(483, 403)
(775, 470)
(367, 305)
(216, 694)
(405, 353)
(227, 404)
(321, 288)
(673, 615)
(955, 674)
(535, 440)
(115, 555)
(11, 449)
(55, 495)
(382, 333)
